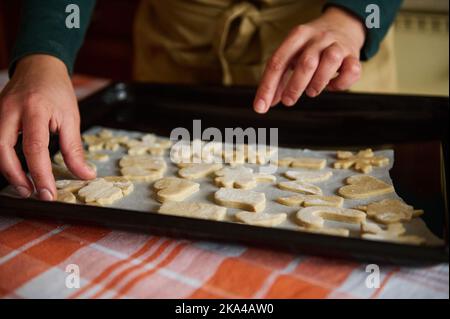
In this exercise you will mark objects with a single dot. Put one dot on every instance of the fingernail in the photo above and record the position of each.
(23, 191)
(44, 194)
(288, 101)
(260, 106)
(312, 92)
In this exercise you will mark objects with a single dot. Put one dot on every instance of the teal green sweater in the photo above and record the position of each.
(43, 28)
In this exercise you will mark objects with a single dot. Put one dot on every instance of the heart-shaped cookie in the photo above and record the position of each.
(364, 186)
(174, 189)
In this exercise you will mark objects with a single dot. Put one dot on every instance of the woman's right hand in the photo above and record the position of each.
(40, 99)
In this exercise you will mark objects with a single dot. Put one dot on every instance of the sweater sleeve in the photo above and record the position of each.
(374, 36)
(43, 30)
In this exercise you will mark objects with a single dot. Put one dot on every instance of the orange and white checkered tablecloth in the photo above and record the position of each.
(35, 255)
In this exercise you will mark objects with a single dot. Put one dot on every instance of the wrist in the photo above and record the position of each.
(40, 62)
(347, 21)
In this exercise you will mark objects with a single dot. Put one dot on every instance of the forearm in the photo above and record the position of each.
(43, 30)
(388, 10)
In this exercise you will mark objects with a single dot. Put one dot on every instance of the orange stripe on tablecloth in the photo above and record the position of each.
(105, 273)
(383, 284)
(329, 272)
(169, 258)
(119, 277)
(236, 276)
(290, 287)
(44, 255)
(24, 232)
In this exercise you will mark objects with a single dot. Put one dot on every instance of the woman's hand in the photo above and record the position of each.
(39, 99)
(309, 58)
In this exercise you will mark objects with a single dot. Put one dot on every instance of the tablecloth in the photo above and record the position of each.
(40, 259)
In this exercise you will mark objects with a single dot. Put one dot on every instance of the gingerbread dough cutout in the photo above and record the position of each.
(311, 200)
(308, 176)
(65, 196)
(70, 185)
(121, 182)
(391, 230)
(303, 162)
(100, 192)
(148, 144)
(104, 140)
(143, 168)
(404, 239)
(174, 189)
(300, 187)
(314, 216)
(88, 156)
(194, 210)
(364, 186)
(261, 219)
(195, 171)
(240, 177)
(241, 199)
(362, 161)
(390, 211)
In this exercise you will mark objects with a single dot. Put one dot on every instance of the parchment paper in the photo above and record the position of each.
(142, 198)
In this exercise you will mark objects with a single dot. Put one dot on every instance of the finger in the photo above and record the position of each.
(35, 147)
(330, 62)
(276, 66)
(72, 150)
(306, 66)
(349, 73)
(10, 166)
(281, 86)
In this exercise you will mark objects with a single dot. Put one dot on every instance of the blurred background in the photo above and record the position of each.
(421, 43)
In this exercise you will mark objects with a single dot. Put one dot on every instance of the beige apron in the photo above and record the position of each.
(227, 41)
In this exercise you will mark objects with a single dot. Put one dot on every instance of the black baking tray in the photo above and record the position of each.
(416, 127)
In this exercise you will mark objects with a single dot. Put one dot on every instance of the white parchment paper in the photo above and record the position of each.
(142, 198)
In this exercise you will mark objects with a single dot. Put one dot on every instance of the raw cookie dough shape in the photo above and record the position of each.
(311, 200)
(393, 232)
(241, 199)
(388, 211)
(314, 216)
(145, 168)
(101, 192)
(364, 186)
(261, 219)
(240, 177)
(70, 185)
(362, 161)
(148, 144)
(196, 152)
(88, 156)
(303, 162)
(308, 176)
(121, 182)
(104, 140)
(195, 171)
(65, 196)
(174, 189)
(194, 210)
(300, 187)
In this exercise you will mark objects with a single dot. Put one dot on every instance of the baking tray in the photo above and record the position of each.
(416, 127)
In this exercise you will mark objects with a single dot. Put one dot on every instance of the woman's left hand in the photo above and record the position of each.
(309, 59)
